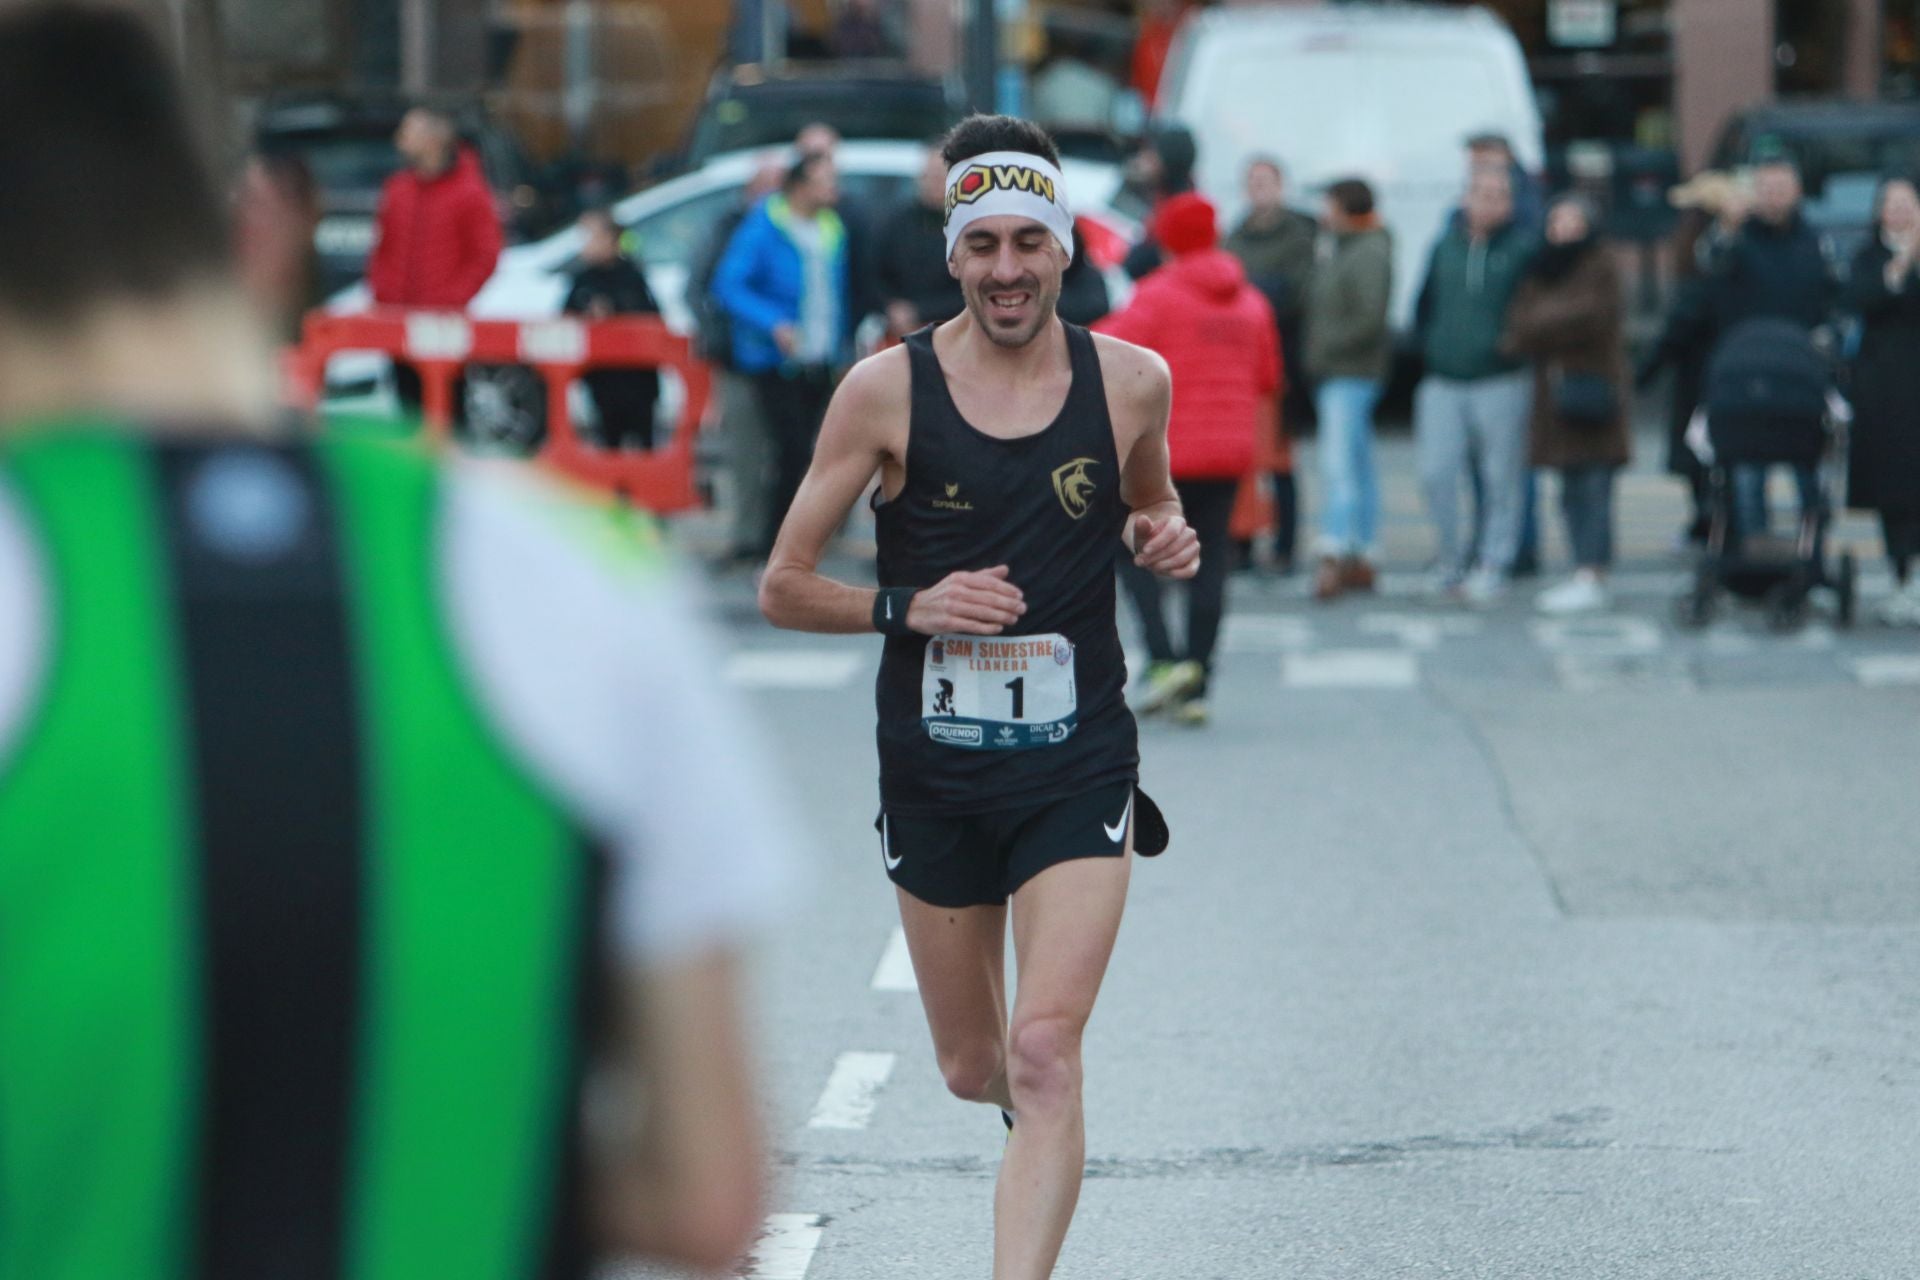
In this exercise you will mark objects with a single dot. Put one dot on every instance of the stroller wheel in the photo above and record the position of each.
(1695, 609)
(1787, 608)
(1846, 586)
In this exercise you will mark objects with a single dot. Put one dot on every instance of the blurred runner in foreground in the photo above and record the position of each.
(355, 811)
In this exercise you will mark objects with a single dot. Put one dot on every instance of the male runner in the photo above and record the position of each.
(1012, 450)
(352, 807)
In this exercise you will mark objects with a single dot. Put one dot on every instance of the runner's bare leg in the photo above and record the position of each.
(1064, 923)
(960, 963)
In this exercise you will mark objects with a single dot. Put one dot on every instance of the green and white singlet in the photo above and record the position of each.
(332, 780)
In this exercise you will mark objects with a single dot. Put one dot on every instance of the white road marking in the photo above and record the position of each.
(1649, 583)
(1419, 631)
(1265, 633)
(1817, 636)
(1350, 669)
(1599, 637)
(793, 669)
(1729, 639)
(1585, 673)
(895, 970)
(852, 1091)
(1882, 669)
(786, 1248)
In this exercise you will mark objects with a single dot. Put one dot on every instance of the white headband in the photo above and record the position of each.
(1004, 182)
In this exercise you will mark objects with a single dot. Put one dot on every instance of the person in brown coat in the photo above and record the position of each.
(1567, 318)
(1883, 471)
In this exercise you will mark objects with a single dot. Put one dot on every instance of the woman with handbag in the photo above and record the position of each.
(1567, 316)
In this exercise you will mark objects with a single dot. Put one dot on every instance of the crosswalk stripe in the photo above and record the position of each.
(1882, 669)
(1265, 633)
(786, 1246)
(852, 1092)
(1599, 636)
(1350, 669)
(793, 669)
(895, 970)
(1422, 631)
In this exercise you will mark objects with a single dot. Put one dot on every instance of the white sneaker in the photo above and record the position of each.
(1444, 588)
(1582, 593)
(1902, 608)
(1484, 588)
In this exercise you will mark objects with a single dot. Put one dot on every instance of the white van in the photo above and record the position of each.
(1388, 93)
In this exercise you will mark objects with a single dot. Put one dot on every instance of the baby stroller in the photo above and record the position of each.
(1769, 401)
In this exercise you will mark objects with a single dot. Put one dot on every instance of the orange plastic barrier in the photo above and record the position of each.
(1253, 513)
(441, 344)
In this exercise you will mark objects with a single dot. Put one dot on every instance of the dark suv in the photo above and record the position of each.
(1842, 149)
(756, 106)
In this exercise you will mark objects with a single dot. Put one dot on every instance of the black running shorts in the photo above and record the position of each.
(976, 860)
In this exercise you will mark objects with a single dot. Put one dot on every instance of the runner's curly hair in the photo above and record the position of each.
(977, 135)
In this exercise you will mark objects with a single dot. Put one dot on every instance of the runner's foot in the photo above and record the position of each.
(1167, 684)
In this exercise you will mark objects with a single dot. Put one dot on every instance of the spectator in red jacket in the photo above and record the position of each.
(439, 234)
(1217, 334)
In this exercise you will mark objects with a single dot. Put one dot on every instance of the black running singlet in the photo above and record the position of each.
(973, 723)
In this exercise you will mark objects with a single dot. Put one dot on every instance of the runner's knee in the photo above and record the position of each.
(1043, 1061)
(970, 1072)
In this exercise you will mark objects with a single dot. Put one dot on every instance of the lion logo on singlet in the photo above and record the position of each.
(1074, 486)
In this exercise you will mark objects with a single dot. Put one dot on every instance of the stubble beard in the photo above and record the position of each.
(1046, 299)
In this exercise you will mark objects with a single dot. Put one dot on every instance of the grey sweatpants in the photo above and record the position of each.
(1483, 424)
(749, 446)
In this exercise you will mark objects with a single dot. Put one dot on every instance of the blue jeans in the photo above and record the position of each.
(1750, 495)
(1350, 487)
(1586, 497)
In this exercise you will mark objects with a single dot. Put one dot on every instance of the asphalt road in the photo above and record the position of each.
(1485, 948)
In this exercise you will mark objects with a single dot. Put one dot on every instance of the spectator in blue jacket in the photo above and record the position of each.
(783, 284)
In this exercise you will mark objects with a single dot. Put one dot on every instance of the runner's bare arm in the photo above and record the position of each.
(1139, 397)
(866, 430)
(680, 1175)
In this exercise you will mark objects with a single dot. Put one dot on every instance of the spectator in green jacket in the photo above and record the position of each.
(1349, 352)
(1472, 407)
(1275, 243)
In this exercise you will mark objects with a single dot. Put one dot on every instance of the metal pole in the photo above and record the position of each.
(416, 45)
(581, 89)
(982, 57)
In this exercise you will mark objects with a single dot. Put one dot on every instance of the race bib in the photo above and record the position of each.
(991, 693)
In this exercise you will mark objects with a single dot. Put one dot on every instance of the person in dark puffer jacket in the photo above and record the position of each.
(1778, 267)
(1217, 335)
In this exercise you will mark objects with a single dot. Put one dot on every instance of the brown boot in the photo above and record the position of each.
(1330, 581)
(1356, 574)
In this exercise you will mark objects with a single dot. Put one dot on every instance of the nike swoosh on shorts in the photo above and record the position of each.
(1118, 830)
(886, 845)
